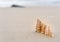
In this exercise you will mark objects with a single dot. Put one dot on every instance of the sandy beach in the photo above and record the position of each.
(18, 24)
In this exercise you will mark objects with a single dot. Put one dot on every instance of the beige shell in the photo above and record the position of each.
(43, 28)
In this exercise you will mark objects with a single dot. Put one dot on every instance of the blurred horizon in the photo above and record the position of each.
(8, 3)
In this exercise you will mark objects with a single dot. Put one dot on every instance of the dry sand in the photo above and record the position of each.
(18, 24)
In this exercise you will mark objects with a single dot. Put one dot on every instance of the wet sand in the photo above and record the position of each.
(18, 24)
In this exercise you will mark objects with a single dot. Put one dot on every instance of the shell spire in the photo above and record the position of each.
(43, 28)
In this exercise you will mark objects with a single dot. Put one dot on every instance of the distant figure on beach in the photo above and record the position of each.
(17, 6)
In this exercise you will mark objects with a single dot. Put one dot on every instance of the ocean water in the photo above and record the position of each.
(8, 3)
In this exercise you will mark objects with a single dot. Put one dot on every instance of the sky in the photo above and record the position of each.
(29, 2)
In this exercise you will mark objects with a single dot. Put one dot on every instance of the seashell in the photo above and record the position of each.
(43, 28)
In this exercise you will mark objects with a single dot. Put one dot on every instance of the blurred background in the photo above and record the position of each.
(18, 24)
(8, 3)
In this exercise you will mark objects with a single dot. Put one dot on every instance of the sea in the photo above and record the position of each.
(8, 3)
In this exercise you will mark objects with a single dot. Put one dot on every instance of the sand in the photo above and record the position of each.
(18, 24)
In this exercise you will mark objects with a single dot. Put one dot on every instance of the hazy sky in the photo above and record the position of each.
(29, 2)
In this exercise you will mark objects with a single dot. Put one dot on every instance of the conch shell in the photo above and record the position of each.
(43, 28)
